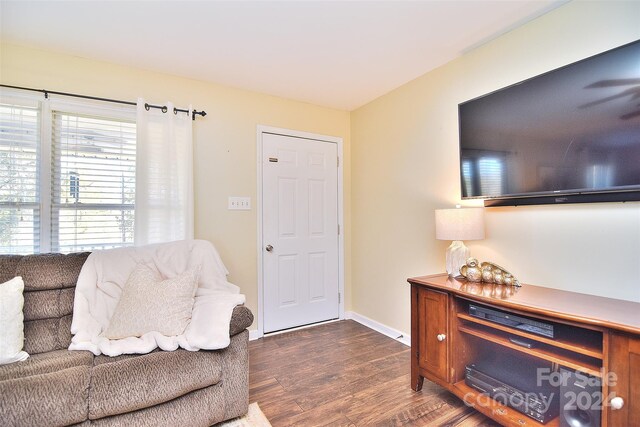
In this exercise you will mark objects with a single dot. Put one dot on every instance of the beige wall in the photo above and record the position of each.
(405, 165)
(224, 141)
(400, 166)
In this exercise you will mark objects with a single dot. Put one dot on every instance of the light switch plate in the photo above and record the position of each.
(239, 203)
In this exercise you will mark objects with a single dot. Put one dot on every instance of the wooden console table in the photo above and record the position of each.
(599, 335)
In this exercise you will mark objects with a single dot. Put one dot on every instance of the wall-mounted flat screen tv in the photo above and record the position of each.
(569, 135)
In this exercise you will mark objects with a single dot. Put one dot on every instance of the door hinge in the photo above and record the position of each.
(338, 229)
(338, 164)
(339, 297)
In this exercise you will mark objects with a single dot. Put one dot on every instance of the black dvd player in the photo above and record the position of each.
(541, 404)
(508, 319)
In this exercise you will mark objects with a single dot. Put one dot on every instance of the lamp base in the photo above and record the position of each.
(457, 254)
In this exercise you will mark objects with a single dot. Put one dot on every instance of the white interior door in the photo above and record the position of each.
(299, 232)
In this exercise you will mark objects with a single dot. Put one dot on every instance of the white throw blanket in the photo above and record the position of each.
(105, 273)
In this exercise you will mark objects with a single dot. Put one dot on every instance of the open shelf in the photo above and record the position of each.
(496, 410)
(531, 342)
(541, 350)
(573, 341)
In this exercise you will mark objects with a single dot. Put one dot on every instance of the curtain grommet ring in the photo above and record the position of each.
(164, 108)
(175, 111)
(146, 106)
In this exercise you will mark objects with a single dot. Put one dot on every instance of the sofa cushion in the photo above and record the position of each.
(49, 285)
(128, 383)
(202, 407)
(49, 304)
(8, 264)
(45, 363)
(50, 271)
(46, 390)
(42, 336)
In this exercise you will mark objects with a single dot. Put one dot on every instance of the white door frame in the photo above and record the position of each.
(298, 134)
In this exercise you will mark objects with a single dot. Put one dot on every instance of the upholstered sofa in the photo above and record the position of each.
(57, 387)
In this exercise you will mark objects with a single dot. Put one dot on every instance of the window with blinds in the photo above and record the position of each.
(67, 175)
(93, 169)
(483, 175)
(19, 178)
(491, 176)
(467, 178)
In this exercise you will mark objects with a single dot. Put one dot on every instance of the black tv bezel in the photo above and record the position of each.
(552, 197)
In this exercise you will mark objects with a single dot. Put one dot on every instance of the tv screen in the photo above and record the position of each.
(570, 131)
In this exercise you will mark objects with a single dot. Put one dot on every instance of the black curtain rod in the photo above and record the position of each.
(117, 101)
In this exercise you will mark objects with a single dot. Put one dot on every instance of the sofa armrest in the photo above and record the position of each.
(241, 319)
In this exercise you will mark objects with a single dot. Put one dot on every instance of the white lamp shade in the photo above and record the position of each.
(460, 224)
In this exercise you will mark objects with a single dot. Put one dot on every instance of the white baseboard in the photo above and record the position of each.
(254, 334)
(379, 327)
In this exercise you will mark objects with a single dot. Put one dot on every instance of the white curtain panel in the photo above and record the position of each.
(164, 175)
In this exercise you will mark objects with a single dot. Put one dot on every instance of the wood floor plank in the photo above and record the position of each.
(309, 351)
(345, 371)
(334, 391)
(345, 374)
(389, 403)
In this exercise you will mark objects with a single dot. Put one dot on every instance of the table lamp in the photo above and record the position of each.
(457, 225)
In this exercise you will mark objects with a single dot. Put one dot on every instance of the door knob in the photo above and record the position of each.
(441, 337)
(269, 248)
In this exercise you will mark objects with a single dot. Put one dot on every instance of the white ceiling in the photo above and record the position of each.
(340, 54)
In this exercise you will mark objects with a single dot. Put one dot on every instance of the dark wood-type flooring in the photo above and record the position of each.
(345, 374)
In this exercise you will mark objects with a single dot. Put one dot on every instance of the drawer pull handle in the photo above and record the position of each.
(441, 337)
(617, 403)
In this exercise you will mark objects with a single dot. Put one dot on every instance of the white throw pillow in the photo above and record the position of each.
(150, 304)
(12, 321)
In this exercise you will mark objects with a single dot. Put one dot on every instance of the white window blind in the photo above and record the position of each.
(19, 183)
(491, 176)
(93, 182)
(467, 175)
